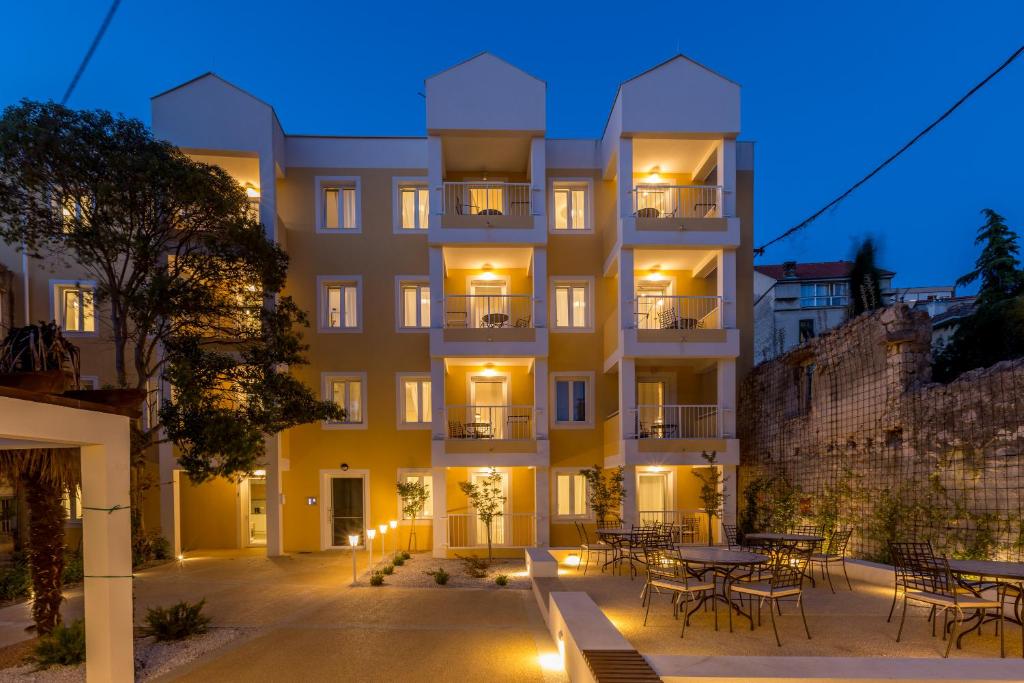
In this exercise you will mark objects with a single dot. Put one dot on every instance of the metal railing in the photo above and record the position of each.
(488, 310)
(677, 201)
(510, 530)
(675, 422)
(487, 199)
(508, 423)
(655, 312)
(689, 526)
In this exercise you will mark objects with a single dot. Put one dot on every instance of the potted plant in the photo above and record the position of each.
(38, 358)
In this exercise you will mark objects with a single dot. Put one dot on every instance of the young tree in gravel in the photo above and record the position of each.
(487, 500)
(711, 494)
(605, 490)
(187, 283)
(414, 494)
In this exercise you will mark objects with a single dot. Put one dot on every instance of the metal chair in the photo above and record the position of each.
(666, 573)
(603, 549)
(786, 581)
(731, 536)
(835, 553)
(904, 553)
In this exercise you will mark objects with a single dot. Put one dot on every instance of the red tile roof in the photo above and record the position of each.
(814, 271)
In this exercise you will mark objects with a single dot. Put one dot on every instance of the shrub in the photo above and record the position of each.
(74, 571)
(398, 561)
(406, 555)
(176, 622)
(64, 646)
(15, 581)
(388, 569)
(440, 576)
(474, 566)
(377, 579)
(502, 580)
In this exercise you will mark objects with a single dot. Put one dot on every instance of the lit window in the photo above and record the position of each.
(416, 400)
(72, 502)
(415, 207)
(572, 305)
(415, 305)
(428, 482)
(340, 305)
(570, 207)
(487, 199)
(74, 307)
(338, 204)
(347, 392)
(570, 495)
(571, 400)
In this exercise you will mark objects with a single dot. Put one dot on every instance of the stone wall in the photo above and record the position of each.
(848, 430)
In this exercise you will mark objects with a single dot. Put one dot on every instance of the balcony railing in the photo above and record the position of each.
(675, 422)
(687, 526)
(487, 199)
(507, 423)
(677, 201)
(510, 530)
(678, 312)
(488, 310)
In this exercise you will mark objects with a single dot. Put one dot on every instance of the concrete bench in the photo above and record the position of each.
(540, 563)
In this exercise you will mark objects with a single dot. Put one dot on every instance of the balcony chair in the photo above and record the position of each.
(788, 568)
(648, 212)
(456, 319)
(586, 548)
(667, 319)
(522, 322)
(834, 553)
(666, 573)
(517, 427)
(456, 430)
(460, 208)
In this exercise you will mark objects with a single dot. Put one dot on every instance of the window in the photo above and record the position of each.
(340, 303)
(805, 387)
(821, 294)
(414, 305)
(572, 399)
(349, 392)
(806, 329)
(572, 305)
(413, 206)
(338, 205)
(570, 495)
(414, 400)
(570, 206)
(428, 482)
(74, 309)
(72, 501)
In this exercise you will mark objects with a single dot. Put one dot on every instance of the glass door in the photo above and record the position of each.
(652, 496)
(498, 523)
(347, 509)
(650, 399)
(488, 397)
(256, 510)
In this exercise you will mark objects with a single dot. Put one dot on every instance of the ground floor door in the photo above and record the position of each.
(652, 496)
(498, 524)
(254, 511)
(344, 499)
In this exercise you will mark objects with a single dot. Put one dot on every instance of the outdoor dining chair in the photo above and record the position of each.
(666, 573)
(587, 547)
(835, 553)
(903, 554)
(788, 567)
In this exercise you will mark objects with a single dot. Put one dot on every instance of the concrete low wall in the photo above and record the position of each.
(869, 572)
(576, 624)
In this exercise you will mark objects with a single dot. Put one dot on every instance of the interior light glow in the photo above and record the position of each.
(573, 560)
(251, 191)
(489, 370)
(550, 661)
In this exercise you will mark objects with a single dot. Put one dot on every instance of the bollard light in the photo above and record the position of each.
(370, 535)
(353, 541)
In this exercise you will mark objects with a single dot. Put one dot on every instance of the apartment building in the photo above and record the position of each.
(486, 296)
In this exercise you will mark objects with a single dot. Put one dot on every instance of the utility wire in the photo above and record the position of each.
(92, 49)
(807, 221)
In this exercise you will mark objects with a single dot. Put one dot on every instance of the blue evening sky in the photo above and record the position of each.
(829, 89)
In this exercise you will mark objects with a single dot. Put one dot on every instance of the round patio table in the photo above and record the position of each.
(1006, 574)
(618, 533)
(772, 539)
(723, 563)
(494, 320)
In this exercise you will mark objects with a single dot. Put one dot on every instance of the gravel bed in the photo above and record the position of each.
(411, 574)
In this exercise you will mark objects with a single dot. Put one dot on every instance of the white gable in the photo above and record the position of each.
(485, 93)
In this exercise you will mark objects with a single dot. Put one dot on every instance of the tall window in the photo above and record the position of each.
(821, 294)
(340, 305)
(570, 495)
(572, 305)
(571, 400)
(416, 400)
(338, 204)
(415, 305)
(428, 482)
(414, 203)
(347, 392)
(75, 311)
(570, 207)
(806, 329)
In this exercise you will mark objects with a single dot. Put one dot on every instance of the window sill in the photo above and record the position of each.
(343, 426)
(339, 330)
(358, 230)
(573, 330)
(572, 425)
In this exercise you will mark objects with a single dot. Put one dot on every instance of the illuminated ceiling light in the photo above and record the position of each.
(655, 274)
(487, 274)
(259, 473)
(489, 370)
(251, 191)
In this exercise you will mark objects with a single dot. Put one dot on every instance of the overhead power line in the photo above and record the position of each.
(92, 49)
(813, 217)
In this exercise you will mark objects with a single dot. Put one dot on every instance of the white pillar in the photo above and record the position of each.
(624, 172)
(726, 380)
(540, 287)
(540, 398)
(538, 165)
(435, 181)
(106, 539)
(725, 274)
(436, 257)
(542, 505)
(630, 513)
(627, 289)
(275, 497)
(627, 398)
(727, 176)
(268, 197)
(440, 495)
(728, 487)
(437, 406)
(170, 497)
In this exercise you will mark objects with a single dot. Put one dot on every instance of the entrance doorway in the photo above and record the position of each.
(652, 496)
(497, 524)
(488, 405)
(344, 499)
(254, 511)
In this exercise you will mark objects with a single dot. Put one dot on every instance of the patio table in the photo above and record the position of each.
(1007, 574)
(618, 533)
(772, 539)
(723, 563)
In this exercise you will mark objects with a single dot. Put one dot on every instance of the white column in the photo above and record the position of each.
(726, 380)
(440, 482)
(728, 487)
(538, 193)
(727, 176)
(275, 497)
(436, 257)
(268, 196)
(627, 289)
(106, 538)
(627, 398)
(170, 497)
(625, 178)
(540, 398)
(630, 514)
(542, 505)
(540, 287)
(725, 274)
(437, 406)
(435, 181)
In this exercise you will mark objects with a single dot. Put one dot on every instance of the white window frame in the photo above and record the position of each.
(588, 378)
(411, 281)
(397, 185)
(72, 505)
(325, 281)
(569, 471)
(400, 379)
(587, 185)
(89, 382)
(587, 282)
(59, 286)
(327, 394)
(327, 182)
(420, 472)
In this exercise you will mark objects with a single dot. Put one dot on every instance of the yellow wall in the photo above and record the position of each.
(209, 514)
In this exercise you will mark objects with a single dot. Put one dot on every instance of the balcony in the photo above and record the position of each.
(490, 422)
(482, 204)
(657, 312)
(675, 422)
(489, 317)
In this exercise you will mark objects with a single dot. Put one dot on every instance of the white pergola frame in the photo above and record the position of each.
(30, 420)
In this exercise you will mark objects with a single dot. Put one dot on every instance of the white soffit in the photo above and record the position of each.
(498, 258)
(668, 155)
(669, 259)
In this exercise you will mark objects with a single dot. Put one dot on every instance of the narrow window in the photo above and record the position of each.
(415, 305)
(415, 205)
(571, 305)
(342, 305)
(75, 310)
(416, 397)
(339, 208)
(347, 392)
(571, 400)
(570, 208)
(570, 495)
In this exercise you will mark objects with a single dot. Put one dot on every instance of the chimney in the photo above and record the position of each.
(789, 269)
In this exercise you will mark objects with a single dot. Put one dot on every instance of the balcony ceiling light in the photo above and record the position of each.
(251, 191)
(489, 370)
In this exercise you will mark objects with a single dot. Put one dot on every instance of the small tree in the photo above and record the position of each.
(414, 495)
(712, 482)
(486, 497)
(865, 279)
(605, 490)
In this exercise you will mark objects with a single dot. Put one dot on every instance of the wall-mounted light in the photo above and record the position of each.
(259, 473)
(487, 274)
(489, 370)
(251, 191)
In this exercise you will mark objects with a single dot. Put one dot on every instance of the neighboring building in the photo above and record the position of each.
(946, 315)
(794, 302)
(484, 296)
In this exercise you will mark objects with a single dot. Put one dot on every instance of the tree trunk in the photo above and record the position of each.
(412, 531)
(45, 551)
(490, 559)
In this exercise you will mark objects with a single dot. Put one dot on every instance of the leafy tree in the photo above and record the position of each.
(865, 279)
(185, 275)
(605, 490)
(487, 500)
(995, 331)
(711, 494)
(414, 495)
